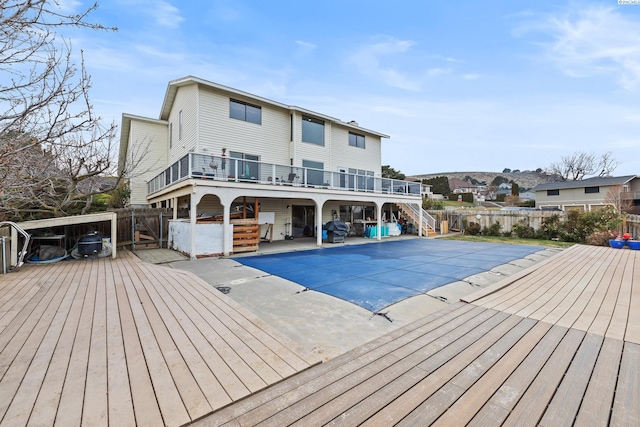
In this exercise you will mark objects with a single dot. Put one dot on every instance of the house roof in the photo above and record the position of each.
(589, 182)
(172, 89)
(457, 183)
(125, 128)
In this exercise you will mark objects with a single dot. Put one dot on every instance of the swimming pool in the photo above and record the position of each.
(375, 276)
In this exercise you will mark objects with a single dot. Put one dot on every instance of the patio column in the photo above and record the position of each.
(227, 243)
(379, 216)
(319, 207)
(174, 205)
(193, 213)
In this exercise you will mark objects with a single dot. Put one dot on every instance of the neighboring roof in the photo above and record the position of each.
(581, 183)
(457, 183)
(173, 86)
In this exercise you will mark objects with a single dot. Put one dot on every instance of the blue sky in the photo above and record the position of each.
(464, 85)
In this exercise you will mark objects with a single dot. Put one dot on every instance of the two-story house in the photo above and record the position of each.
(588, 194)
(221, 152)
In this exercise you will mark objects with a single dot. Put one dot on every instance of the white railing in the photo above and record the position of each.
(220, 168)
(418, 212)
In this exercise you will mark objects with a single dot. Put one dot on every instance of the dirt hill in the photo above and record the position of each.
(526, 180)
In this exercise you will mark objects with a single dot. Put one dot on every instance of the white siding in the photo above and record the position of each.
(269, 140)
(147, 141)
(344, 155)
(187, 102)
(336, 151)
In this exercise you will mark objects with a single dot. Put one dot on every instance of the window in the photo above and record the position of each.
(591, 190)
(244, 111)
(170, 135)
(555, 192)
(246, 170)
(356, 140)
(312, 130)
(314, 177)
(180, 126)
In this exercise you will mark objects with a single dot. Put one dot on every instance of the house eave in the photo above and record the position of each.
(172, 89)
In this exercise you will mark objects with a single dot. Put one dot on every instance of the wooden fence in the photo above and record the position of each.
(632, 226)
(506, 219)
(144, 227)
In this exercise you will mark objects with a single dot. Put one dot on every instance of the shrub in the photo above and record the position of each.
(524, 231)
(600, 238)
(550, 229)
(472, 229)
(492, 230)
(430, 204)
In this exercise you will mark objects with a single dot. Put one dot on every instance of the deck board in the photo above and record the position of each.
(543, 348)
(121, 342)
(115, 342)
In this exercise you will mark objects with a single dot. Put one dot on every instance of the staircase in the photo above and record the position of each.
(413, 215)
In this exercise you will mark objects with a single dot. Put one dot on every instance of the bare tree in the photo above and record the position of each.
(53, 149)
(618, 198)
(580, 165)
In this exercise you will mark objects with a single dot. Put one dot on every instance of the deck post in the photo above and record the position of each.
(193, 213)
(379, 217)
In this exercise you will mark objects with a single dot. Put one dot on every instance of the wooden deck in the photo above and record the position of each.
(556, 345)
(124, 343)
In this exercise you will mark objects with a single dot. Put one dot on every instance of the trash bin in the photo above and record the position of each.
(444, 227)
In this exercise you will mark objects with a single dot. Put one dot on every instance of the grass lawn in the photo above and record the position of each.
(511, 240)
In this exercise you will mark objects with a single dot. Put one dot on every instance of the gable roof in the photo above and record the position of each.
(174, 85)
(589, 182)
(457, 183)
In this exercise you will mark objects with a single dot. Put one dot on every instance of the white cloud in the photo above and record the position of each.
(471, 76)
(68, 6)
(166, 15)
(370, 59)
(305, 48)
(592, 41)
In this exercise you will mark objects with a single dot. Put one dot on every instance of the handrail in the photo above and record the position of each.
(22, 254)
(223, 168)
(426, 217)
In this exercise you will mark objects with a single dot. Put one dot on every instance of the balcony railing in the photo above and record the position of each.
(219, 168)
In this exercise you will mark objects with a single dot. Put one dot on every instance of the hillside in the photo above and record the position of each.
(523, 179)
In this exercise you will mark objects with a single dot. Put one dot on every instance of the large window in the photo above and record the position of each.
(555, 192)
(312, 130)
(245, 111)
(591, 190)
(314, 177)
(246, 170)
(356, 140)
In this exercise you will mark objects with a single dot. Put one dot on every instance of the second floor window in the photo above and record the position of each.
(244, 111)
(356, 140)
(180, 125)
(555, 192)
(312, 130)
(591, 190)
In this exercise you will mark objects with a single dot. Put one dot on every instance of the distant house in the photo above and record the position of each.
(459, 186)
(587, 194)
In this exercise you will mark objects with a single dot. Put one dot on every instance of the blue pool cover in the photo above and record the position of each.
(375, 276)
